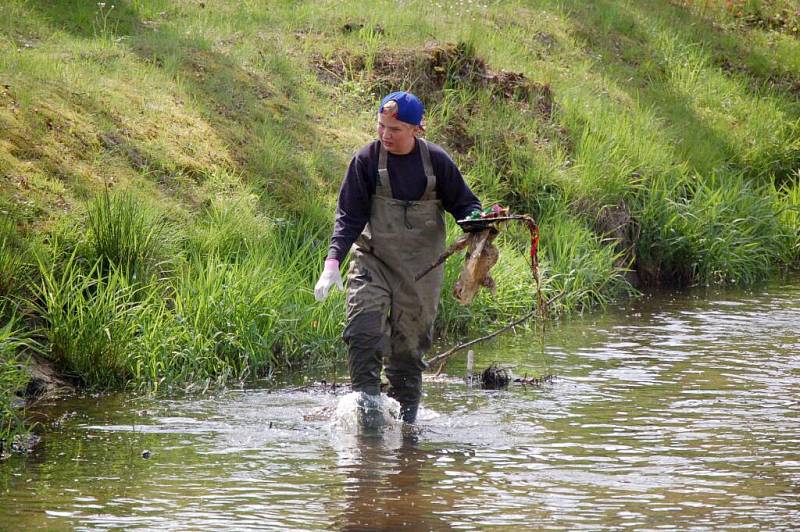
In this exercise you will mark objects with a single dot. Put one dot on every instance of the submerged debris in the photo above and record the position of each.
(495, 378)
(535, 381)
(63, 418)
(318, 386)
(20, 444)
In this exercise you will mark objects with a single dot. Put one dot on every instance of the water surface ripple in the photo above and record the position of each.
(678, 411)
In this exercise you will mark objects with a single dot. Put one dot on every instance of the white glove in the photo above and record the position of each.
(330, 276)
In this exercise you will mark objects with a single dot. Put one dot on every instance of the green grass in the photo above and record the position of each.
(236, 304)
(217, 324)
(174, 166)
(11, 263)
(126, 236)
(776, 15)
(789, 201)
(88, 320)
(721, 230)
(13, 378)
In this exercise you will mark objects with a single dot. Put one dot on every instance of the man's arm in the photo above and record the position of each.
(456, 196)
(352, 209)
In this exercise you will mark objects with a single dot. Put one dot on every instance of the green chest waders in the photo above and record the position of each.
(389, 315)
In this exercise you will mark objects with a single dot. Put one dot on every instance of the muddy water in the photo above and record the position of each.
(679, 411)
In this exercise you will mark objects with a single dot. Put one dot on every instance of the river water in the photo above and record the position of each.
(676, 411)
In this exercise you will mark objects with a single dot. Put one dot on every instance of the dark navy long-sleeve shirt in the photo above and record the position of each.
(408, 181)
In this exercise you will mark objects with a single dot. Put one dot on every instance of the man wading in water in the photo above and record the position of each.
(390, 205)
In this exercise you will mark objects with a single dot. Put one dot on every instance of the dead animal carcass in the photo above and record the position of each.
(480, 258)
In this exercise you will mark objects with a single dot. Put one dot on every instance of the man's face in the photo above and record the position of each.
(396, 136)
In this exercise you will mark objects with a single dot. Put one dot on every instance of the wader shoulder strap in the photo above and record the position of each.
(428, 166)
(384, 186)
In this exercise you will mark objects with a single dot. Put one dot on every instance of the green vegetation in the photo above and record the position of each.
(778, 15)
(169, 169)
(226, 305)
(12, 377)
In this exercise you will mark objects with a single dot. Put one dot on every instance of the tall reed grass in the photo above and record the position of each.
(577, 263)
(789, 200)
(234, 306)
(243, 316)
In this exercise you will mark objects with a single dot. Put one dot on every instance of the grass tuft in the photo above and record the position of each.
(88, 320)
(126, 235)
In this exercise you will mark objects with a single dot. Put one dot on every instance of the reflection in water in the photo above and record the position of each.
(384, 483)
(381, 469)
(675, 412)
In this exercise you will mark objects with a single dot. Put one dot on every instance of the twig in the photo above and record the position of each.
(535, 381)
(459, 244)
(316, 384)
(447, 354)
(441, 358)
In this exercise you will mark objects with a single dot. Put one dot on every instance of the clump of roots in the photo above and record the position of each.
(495, 378)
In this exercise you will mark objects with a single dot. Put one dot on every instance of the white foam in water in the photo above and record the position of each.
(424, 414)
(346, 417)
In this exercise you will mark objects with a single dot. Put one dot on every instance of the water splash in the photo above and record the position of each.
(426, 414)
(357, 411)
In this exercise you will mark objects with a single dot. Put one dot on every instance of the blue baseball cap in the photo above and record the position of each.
(409, 107)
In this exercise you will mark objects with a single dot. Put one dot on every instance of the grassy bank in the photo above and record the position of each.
(169, 169)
